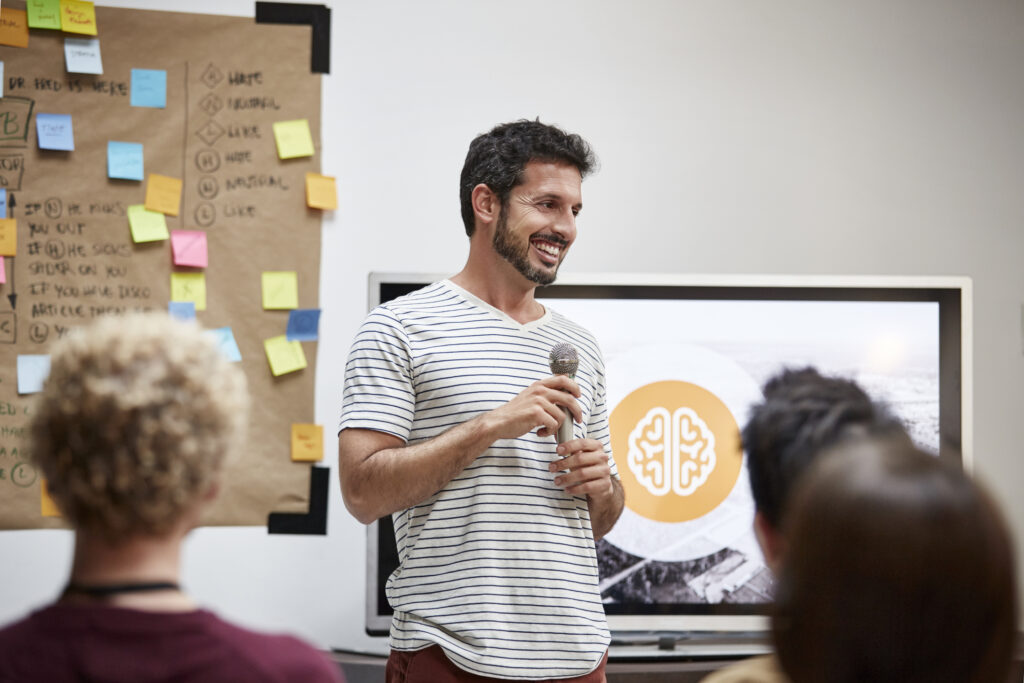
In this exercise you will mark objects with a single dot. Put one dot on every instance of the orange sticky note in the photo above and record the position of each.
(307, 442)
(78, 16)
(46, 504)
(321, 192)
(163, 194)
(13, 27)
(8, 236)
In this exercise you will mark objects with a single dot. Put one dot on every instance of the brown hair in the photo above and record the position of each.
(900, 568)
(134, 423)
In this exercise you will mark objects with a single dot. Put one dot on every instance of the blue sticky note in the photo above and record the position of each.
(303, 324)
(32, 372)
(149, 88)
(53, 131)
(182, 310)
(124, 160)
(3, 203)
(226, 341)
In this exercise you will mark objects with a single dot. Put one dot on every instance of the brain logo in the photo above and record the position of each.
(671, 451)
(677, 448)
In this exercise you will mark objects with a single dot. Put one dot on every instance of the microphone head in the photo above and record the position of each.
(563, 359)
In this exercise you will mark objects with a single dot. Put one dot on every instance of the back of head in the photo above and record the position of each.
(497, 159)
(802, 414)
(134, 423)
(900, 568)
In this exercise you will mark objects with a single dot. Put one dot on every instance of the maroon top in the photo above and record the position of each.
(103, 643)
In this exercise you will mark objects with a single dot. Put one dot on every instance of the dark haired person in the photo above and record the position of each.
(447, 424)
(901, 570)
(803, 413)
(131, 432)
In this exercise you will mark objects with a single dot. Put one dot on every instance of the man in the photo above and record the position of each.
(803, 414)
(131, 432)
(448, 423)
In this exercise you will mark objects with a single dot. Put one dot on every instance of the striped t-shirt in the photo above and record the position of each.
(498, 567)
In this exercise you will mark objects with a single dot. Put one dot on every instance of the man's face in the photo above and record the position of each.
(537, 224)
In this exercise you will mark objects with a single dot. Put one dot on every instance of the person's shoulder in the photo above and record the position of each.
(764, 669)
(274, 656)
(434, 295)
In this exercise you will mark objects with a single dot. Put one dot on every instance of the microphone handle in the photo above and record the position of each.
(565, 429)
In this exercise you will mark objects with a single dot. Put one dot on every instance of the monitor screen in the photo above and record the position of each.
(685, 359)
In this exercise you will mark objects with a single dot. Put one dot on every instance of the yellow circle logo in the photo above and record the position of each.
(677, 447)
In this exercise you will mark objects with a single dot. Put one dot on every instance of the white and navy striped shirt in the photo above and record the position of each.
(498, 567)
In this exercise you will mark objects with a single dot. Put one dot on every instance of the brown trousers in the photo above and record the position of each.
(430, 665)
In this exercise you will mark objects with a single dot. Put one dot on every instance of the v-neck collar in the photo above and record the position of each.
(477, 301)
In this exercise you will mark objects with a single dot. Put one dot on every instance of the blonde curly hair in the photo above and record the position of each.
(135, 422)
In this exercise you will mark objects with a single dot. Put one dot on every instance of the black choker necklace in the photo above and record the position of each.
(107, 589)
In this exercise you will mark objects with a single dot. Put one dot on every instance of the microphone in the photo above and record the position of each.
(564, 361)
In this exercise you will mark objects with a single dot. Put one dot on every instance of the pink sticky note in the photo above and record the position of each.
(189, 247)
(3, 272)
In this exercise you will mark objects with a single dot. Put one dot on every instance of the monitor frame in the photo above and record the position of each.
(952, 293)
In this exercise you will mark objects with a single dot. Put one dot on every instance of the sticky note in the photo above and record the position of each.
(13, 27)
(82, 56)
(32, 372)
(182, 310)
(3, 203)
(8, 237)
(3, 271)
(124, 160)
(303, 324)
(78, 16)
(53, 131)
(149, 88)
(189, 287)
(163, 194)
(225, 339)
(321, 192)
(280, 289)
(284, 356)
(307, 442)
(43, 14)
(146, 225)
(46, 505)
(293, 139)
(189, 248)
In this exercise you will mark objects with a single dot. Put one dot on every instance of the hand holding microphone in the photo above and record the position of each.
(564, 360)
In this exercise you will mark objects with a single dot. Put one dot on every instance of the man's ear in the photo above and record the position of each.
(486, 205)
(772, 543)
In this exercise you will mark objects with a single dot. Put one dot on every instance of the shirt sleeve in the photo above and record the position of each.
(378, 392)
(597, 425)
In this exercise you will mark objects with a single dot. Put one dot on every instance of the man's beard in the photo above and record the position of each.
(518, 254)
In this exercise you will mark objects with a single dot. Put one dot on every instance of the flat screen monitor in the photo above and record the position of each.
(690, 354)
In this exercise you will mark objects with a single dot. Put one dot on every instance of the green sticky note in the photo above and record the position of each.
(43, 14)
(189, 287)
(284, 356)
(293, 139)
(280, 289)
(147, 226)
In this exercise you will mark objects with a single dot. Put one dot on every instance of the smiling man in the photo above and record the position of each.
(448, 423)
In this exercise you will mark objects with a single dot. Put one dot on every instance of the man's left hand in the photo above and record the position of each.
(584, 468)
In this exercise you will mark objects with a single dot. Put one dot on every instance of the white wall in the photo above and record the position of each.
(796, 136)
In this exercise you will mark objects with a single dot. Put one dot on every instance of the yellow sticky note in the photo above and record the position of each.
(307, 442)
(8, 236)
(293, 139)
(47, 506)
(13, 27)
(284, 356)
(146, 225)
(189, 287)
(321, 192)
(163, 194)
(280, 289)
(78, 16)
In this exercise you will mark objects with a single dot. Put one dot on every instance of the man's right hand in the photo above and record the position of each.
(538, 405)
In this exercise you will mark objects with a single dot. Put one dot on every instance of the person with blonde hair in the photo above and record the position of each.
(131, 433)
